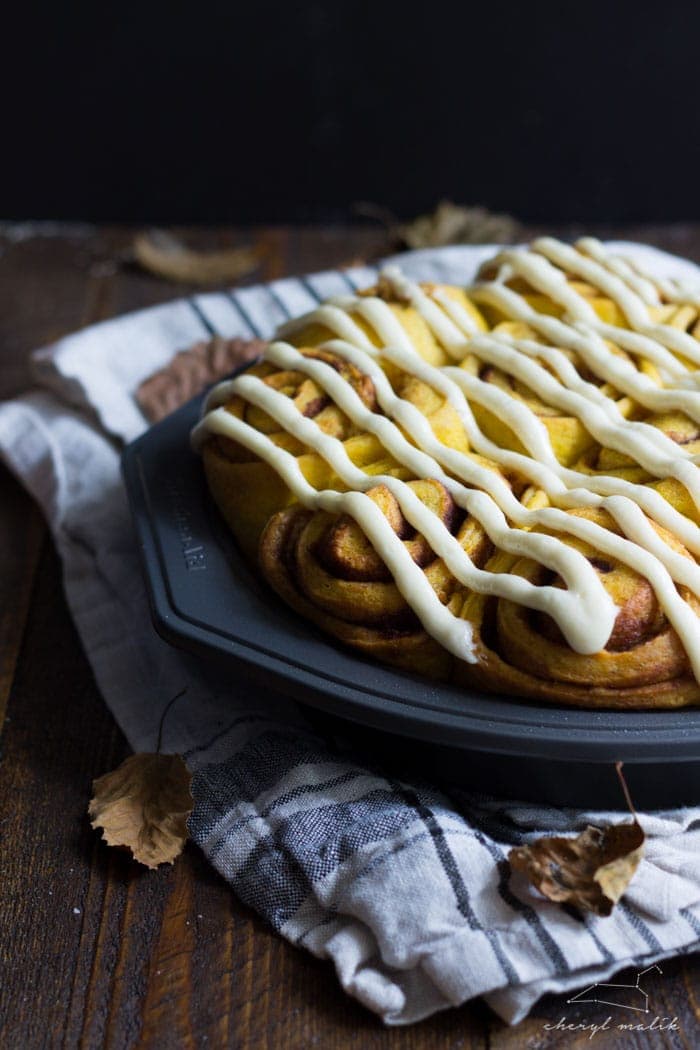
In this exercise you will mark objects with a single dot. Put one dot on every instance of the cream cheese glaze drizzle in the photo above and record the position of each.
(583, 610)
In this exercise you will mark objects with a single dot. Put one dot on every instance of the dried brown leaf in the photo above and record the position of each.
(144, 805)
(455, 224)
(192, 371)
(590, 871)
(161, 254)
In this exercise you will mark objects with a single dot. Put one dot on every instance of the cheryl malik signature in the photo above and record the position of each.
(629, 996)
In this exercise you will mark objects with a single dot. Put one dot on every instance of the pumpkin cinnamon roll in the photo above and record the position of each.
(498, 484)
(324, 567)
(523, 653)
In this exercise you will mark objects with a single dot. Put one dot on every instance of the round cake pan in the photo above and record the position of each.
(205, 598)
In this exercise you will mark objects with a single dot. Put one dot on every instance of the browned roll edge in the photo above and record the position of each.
(409, 649)
(494, 674)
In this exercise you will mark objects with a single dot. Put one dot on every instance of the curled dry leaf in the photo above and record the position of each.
(161, 254)
(192, 371)
(455, 224)
(590, 871)
(144, 805)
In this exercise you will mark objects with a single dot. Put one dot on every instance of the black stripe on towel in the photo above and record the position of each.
(606, 954)
(449, 866)
(348, 281)
(310, 288)
(692, 921)
(531, 917)
(277, 300)
(243, 314)
(202, 317)
(638, 924)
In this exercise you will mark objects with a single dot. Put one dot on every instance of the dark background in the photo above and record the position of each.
(218, 112)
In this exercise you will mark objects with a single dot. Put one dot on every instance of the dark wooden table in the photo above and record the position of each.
(94, 951)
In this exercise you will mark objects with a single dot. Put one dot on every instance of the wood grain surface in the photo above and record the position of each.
(94, 951)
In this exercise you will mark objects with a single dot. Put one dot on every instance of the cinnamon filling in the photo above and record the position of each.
(639, 619)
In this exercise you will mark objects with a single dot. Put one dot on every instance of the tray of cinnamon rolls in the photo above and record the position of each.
(465, 514)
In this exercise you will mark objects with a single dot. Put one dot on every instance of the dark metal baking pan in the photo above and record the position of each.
(205, 598)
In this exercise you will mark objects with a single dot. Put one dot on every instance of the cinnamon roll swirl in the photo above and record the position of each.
(323, 566)
(643, 663)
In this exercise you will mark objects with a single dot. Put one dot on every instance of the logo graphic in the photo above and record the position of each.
(613, 994)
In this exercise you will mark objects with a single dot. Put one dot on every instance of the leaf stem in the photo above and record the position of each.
(166, 709)
(625, 789)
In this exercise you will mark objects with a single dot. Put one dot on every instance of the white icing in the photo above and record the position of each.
(583, 609)
(335, 317)
(645, 289)
(543, 275)
(449, 330)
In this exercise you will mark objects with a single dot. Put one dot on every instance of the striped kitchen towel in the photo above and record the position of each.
(405, 887)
